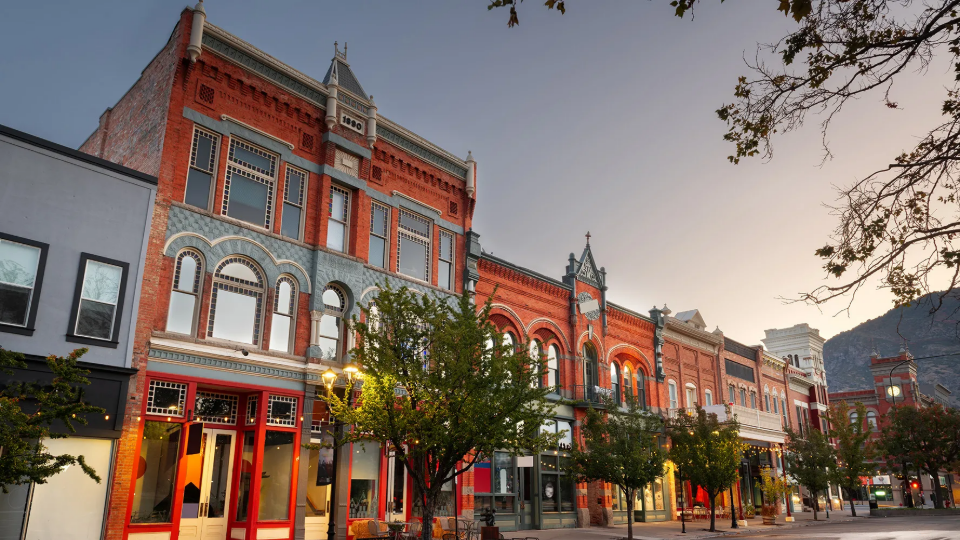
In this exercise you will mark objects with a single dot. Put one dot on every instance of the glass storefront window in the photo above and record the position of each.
(157, 473)
(277, 472)
(503, 473)
(246, 475)
(550, 491)
(363, 481)
(556, 487)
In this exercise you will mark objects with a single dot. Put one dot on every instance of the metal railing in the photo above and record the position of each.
(590, 393)
(757, 418)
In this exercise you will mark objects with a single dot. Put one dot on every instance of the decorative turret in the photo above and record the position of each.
(196, 32)
(332, 81)
(372, 123)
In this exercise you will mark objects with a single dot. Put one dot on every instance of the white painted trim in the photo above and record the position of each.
(257, 131)
(633, 348)
(517, 321)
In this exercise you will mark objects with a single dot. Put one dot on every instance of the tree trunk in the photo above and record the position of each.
(713, 511)
(426, 531)
(853, 509)
(938, 501)
(629, 514)
(815, 502)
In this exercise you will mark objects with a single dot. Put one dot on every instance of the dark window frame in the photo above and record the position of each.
(71, 336)
(30, 327)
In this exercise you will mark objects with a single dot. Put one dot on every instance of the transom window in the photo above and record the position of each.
(413, 245)
(337, 229)
(97, 313)
(216, 408)
(282, 324)
(249, 185)
(331, 323)
(251, 417)
(236, 301)
(379, 239)
(282, 411)
(185, 295)
(166, 398)
(293, 189)
(445, 276)
(203, 163)
(20, 264)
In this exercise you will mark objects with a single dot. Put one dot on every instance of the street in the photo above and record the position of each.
(931, 528)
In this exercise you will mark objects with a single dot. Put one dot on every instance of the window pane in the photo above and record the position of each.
(18, 263)
(328, 348)
(338, 205)
(566, 493)
(101, 282)
(443, 277)
(204, 151)
(157, 473)
(95, 319)
(248, 199)
(319, 471)
(275, 480)
(335, 235)
(246, 475)
(414, 224)
(377, 251)
(446, 246)
(566, 440)
(280, 333)
(363, 481)
(246, 156)
(234, 317)
(294, 184)
(180, 316)
(239, 271)
(188, 273)
(503, 473)
(379, 221)
(198, 188)
(413, 258)
(291, 221)
(283, 297)
(14, 304)
(550, 491)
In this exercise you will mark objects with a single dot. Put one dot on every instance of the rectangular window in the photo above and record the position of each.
(363, 480)
(294, 188)
(739, 371)
(445, 268)
(159, 451)
(743, 397)
(379, 225)
(673, 396)
(21, 272)
(733, 397)
(98, 300)
(203, 162)
(248, 188)
(413, 246)
(753, 400)
(337, 230)
(275, 480)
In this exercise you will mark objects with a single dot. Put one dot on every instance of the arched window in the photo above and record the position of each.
(185, 295)
(553, 368)
(672, 388)
(509, 340)
(707, 398)
(591, 376)
(872, 419)
(283, 323)
(236, 303)
(536, 355)
(775, 408)
(691, 395)
(743, 397)
(627, 383)
(615, 382)
(766, 400)
(753, 400)
(733, 398)
(330, 334)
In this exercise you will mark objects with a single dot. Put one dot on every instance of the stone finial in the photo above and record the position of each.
(666, 310)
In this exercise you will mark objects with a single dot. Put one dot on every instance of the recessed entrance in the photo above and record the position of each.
(206, 493)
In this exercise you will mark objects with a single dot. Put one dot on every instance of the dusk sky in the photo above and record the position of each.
(601, 119)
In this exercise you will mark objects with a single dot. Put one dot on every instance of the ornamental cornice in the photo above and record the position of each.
(232, 365)
(525, 280)
(691, 339)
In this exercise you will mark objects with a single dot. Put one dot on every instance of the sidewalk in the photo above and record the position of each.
(696, 529)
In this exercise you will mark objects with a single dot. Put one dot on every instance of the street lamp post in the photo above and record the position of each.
(329, 377)
(895, 391)
(683, 501)
(733, 511)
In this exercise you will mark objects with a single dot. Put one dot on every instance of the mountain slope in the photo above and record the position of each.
(847, 355)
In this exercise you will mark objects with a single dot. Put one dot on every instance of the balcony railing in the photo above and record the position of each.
(590, 394)
(756, 418)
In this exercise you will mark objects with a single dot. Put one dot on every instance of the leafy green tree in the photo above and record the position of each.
(851, 435)
(927, 437)
(442, 388)
(31, 413)
(620, 446)
(707, 451)
(899, 223)
(811, 461)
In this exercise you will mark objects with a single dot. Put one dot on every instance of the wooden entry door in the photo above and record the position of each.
(205, 506)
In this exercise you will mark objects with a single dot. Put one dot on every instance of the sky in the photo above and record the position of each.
(600, 120)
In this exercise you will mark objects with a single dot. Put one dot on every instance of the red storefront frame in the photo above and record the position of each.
(260, 427)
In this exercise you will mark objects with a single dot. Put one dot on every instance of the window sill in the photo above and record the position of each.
(12, 329)
(92, 341)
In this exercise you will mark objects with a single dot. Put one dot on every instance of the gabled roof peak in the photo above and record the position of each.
(341, 75)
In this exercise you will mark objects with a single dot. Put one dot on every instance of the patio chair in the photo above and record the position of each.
(413, 530)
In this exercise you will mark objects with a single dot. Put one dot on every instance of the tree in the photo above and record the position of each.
(621, 447)
(29, 413)
(899, 224)
(810, 461)
(851, 433)
(442, 389)
(707, 451)
(927, 437)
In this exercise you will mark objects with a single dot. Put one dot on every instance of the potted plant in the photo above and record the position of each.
(749, 511)
(774, 489)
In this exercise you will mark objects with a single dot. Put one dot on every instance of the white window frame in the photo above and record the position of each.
(672, 395)
(690, 389)
(415, 236)
(346, 217)
(707, 397)
(195, 290)
(338, 313)
(212, 170)
(266, 177)
(291, 315)
(301, 199)
(440, 260)
(386, 232)
(235, 285)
